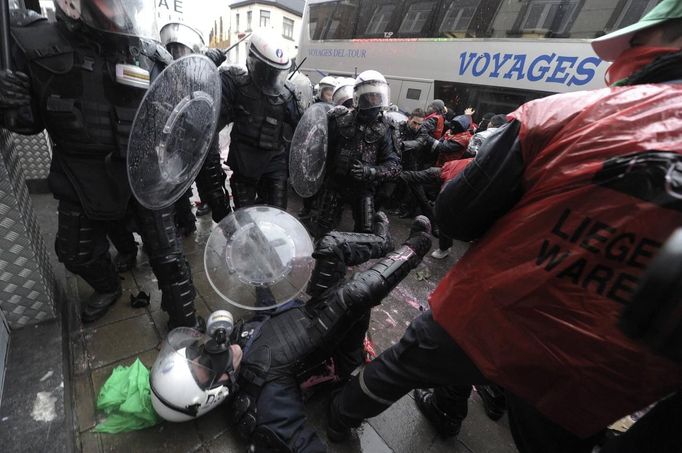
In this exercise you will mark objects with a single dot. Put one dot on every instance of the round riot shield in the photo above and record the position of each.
(172, 131)
(308, 153)
(259, 258)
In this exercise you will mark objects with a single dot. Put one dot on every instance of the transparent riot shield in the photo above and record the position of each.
(172, 131)
(308, 154)
(258, 258)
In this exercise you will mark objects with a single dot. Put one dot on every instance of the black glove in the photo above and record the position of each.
(216, 56)
(15, 89)
(362, 172)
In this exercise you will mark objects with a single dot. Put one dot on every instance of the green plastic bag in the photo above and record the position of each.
(126, 399)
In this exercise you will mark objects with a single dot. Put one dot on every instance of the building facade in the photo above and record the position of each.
(245, 17)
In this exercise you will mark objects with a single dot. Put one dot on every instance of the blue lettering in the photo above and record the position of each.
(497, 64)
(562, 64)
(463, 66)
(364, 53)
(517, 67)
(582, 70)
(476, 70)
(542, 71)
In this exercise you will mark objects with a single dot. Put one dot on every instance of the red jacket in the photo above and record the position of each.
(536, 300)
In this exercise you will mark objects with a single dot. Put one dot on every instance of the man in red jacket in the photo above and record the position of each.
(567, 203)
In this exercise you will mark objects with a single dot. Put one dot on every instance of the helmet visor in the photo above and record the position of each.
(123, 17)
(269, 79)
(184, 359)
(371, 94)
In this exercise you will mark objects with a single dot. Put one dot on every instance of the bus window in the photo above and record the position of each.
(416, 18)
(413, 94)
(483, 98)
(377, 19)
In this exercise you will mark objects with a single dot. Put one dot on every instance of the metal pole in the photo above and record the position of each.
(5, 57)
(225, 51)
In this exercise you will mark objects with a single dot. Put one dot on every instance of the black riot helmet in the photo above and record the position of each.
(122, 17)
(268, 62)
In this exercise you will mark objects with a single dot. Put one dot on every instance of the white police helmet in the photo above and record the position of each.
(371, 90)
(343, 91)
(181, 39)
(268, 62)
(184, 385)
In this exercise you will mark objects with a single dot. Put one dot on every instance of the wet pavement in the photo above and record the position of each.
(127, 333)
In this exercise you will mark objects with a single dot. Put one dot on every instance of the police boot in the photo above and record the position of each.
(337, 431)
(445, 424)
(125, 261)
(98, 304)
(494, 401)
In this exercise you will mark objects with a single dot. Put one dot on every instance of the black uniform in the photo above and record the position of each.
(76, 97)
(281, 345)
(352, 141)
(258, 146)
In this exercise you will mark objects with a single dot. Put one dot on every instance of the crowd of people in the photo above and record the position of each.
(556, 197)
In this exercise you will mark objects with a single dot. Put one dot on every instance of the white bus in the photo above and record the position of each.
(490, 54)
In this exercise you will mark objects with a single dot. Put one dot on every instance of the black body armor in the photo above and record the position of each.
(258, 134)
(86, 112)
(357, 141)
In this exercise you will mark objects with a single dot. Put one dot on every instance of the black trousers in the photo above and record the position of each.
(427, 357)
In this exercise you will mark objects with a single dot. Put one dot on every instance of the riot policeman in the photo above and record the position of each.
(361, 154)
(87, 74)
(280, 344)
(326, 89)
(263, 106)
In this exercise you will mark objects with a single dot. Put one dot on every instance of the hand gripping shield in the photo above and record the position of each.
(172, 131)
(259, 258)
(308, 153)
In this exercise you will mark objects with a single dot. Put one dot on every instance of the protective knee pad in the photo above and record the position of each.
(274, 192)
(363, 213)
(243, 193)
(337, 250)
(177, 289)
(211, 186)
(84, 250)
(329, 213)
(183, 211)
(158, 231)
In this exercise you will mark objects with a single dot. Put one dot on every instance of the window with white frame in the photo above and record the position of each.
(288, 28)
(416, 17)
(458, 16)
(249, 15)
(264, 18)
(549, 15)
(632, 11)
(236, 22)
(380, 19)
